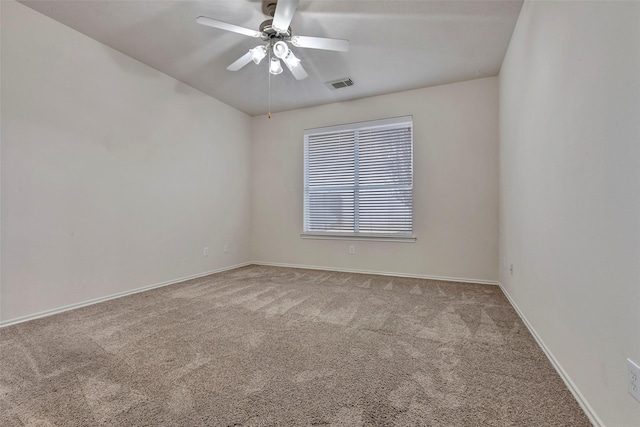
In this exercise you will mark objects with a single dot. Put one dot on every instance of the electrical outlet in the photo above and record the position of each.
(225, 248)
(352, 249)
(205, 251)
(633, 378)
(511, 269)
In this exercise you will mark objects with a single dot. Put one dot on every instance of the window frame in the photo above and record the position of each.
(379, 124)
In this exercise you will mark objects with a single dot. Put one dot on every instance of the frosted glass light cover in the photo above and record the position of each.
(275, 67)
(291, 60)
(258, 53)
(280, 49)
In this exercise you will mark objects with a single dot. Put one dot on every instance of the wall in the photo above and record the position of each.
(455, 184)
(570, 191)
(114, 176)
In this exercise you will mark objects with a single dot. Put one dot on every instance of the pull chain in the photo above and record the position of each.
(269, 73)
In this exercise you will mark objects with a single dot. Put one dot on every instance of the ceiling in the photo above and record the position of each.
(395, 45)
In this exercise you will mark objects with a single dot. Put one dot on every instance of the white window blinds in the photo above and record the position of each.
(358, 179)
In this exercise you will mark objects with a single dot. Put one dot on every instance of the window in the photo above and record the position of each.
(358, 180)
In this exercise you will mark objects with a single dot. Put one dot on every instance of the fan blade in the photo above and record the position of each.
(298, 72)
(283, 14)
(228, 27)
(240, 62)
(340, 45)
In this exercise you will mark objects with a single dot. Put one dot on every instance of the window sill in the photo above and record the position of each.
(371, 237)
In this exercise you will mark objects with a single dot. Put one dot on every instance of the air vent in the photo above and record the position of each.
(339, 84)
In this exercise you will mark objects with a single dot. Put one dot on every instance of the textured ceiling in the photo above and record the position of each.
(395, 45)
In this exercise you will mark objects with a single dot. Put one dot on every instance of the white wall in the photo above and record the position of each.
(570, 191)
(114, 176)
(455, 184)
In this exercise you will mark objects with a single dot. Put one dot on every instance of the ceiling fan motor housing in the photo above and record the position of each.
(270, 33)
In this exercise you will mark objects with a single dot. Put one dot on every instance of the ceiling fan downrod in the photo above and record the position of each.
(269, 7)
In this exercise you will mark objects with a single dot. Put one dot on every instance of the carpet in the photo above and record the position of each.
(270, 346)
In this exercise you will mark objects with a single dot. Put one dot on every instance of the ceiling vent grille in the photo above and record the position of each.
(342, 83)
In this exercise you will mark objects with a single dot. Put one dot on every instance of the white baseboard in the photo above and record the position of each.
(114, 296)
(195, 276)
(382, 273)
(588, 410)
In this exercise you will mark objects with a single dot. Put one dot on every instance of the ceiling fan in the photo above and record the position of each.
(277, 34)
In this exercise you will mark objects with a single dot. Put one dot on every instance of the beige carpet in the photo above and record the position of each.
(266, 346)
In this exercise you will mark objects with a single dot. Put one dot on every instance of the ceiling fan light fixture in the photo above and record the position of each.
(258, 53)
(280, 49)
(291, 60)
(276, 36)
(275, 67)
